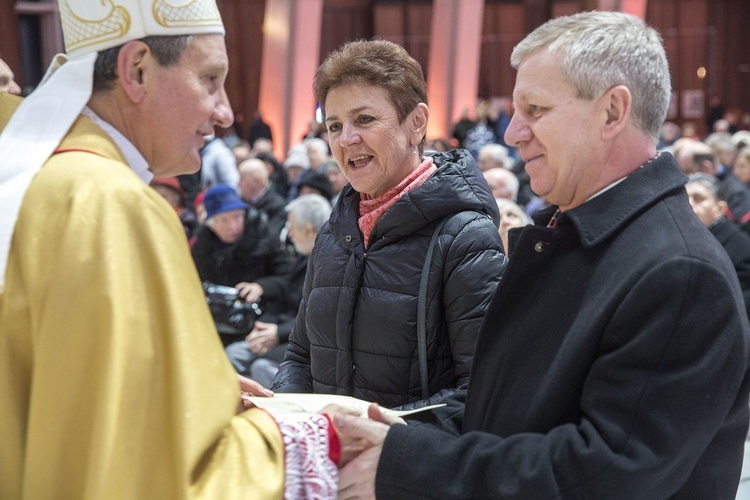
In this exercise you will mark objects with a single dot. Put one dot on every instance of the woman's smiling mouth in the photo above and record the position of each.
(359, 161)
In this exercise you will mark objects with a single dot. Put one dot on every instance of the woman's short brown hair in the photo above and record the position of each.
(374, 62)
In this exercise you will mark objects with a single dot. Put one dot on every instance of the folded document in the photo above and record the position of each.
(288, 403)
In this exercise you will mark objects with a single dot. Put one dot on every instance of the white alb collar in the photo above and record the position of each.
(132, 156)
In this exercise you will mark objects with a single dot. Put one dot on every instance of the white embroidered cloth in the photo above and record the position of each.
(310, 474)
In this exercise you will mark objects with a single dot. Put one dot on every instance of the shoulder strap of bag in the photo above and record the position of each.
(422, 313)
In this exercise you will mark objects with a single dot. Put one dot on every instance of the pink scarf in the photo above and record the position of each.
(371, 209)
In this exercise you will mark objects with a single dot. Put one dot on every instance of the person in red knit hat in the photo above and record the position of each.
(171, 190)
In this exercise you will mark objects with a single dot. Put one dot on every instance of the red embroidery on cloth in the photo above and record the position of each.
(310, 474)
(371, 209)
(334, 445)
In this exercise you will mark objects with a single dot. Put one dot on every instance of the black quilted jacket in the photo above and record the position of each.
(356, 332)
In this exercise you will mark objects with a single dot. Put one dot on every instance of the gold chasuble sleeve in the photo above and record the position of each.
(113, 380)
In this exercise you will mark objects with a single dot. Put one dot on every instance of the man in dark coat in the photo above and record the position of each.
(257, 191)
(259, 129)
(613, 358)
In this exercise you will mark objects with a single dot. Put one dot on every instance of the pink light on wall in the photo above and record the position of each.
(635, 7)
(453, 74)
(291, 54)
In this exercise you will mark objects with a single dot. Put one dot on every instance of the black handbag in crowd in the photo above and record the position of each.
(234, 318)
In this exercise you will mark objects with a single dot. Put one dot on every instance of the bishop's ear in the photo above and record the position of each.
(617, 103)
(132, 62)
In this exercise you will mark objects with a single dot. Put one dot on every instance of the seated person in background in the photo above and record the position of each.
(503, 183)
(694, 156)
(241, 151)
(235, 248)
(171, 190)
(200, 208)
(337, 179)
(317, 152)
(493, 159)
(511, 215)
(259, 355)
(261, 145)
(316, 182)
(218, 164)
(257, 191)
(706, 196)
(494, 155)
(742, 166)
(295, 165)
(276, 173)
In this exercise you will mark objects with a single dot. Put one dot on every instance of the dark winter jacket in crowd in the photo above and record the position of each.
(274, 206)
(737, 244)
(356, 333)
(289, 302)
(282, 312)
(256, 257)
(738, 197)
(612, 363)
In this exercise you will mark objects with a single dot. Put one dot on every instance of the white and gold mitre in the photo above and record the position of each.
(94, 25)
(44, 117)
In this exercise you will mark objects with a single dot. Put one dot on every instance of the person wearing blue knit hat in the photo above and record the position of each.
(236, 247)
(225, 214)
(221, 198)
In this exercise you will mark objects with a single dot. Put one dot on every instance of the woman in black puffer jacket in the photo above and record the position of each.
(356, 329)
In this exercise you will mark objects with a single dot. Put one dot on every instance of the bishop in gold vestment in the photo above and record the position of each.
(113, 381)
